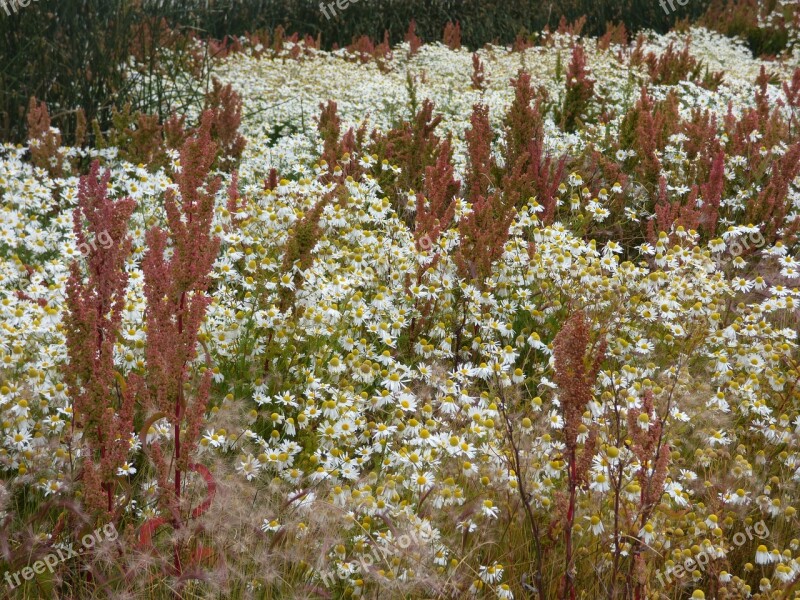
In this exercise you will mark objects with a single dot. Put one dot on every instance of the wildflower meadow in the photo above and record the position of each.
(409, 319)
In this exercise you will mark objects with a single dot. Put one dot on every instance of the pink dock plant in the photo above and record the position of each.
(577, 362)
(176, 286)
(102, 411)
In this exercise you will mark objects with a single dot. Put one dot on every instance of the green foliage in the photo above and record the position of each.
(763, 24)
(481, 21)
(74, 53)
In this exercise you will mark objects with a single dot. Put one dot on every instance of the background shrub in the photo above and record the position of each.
(74, 54)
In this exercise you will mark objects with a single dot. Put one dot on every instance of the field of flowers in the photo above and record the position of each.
(412, 322)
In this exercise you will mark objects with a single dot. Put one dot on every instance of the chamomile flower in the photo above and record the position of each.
(763, 556)
(126, 469)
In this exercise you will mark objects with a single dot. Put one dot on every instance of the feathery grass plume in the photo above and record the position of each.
(175, 286)
(103, 411)
(43, 140)
(530, 171)
(576, 362)
(27, 538)
(226, 109)
(579, 91)
(452, 35)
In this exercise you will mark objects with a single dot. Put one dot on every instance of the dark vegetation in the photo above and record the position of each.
(74, 54)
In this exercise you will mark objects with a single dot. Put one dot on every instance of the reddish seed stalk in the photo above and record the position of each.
(176, 291)
(572, 351)
(94, 302)
(178, 416)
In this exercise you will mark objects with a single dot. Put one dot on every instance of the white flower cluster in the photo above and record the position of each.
(376, 375)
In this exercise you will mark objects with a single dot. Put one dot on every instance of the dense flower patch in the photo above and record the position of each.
(517, 323)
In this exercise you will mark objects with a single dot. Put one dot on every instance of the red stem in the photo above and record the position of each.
(178, 406)
(569, 587)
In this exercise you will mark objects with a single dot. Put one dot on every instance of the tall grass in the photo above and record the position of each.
(75, 53)
(482, 21)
